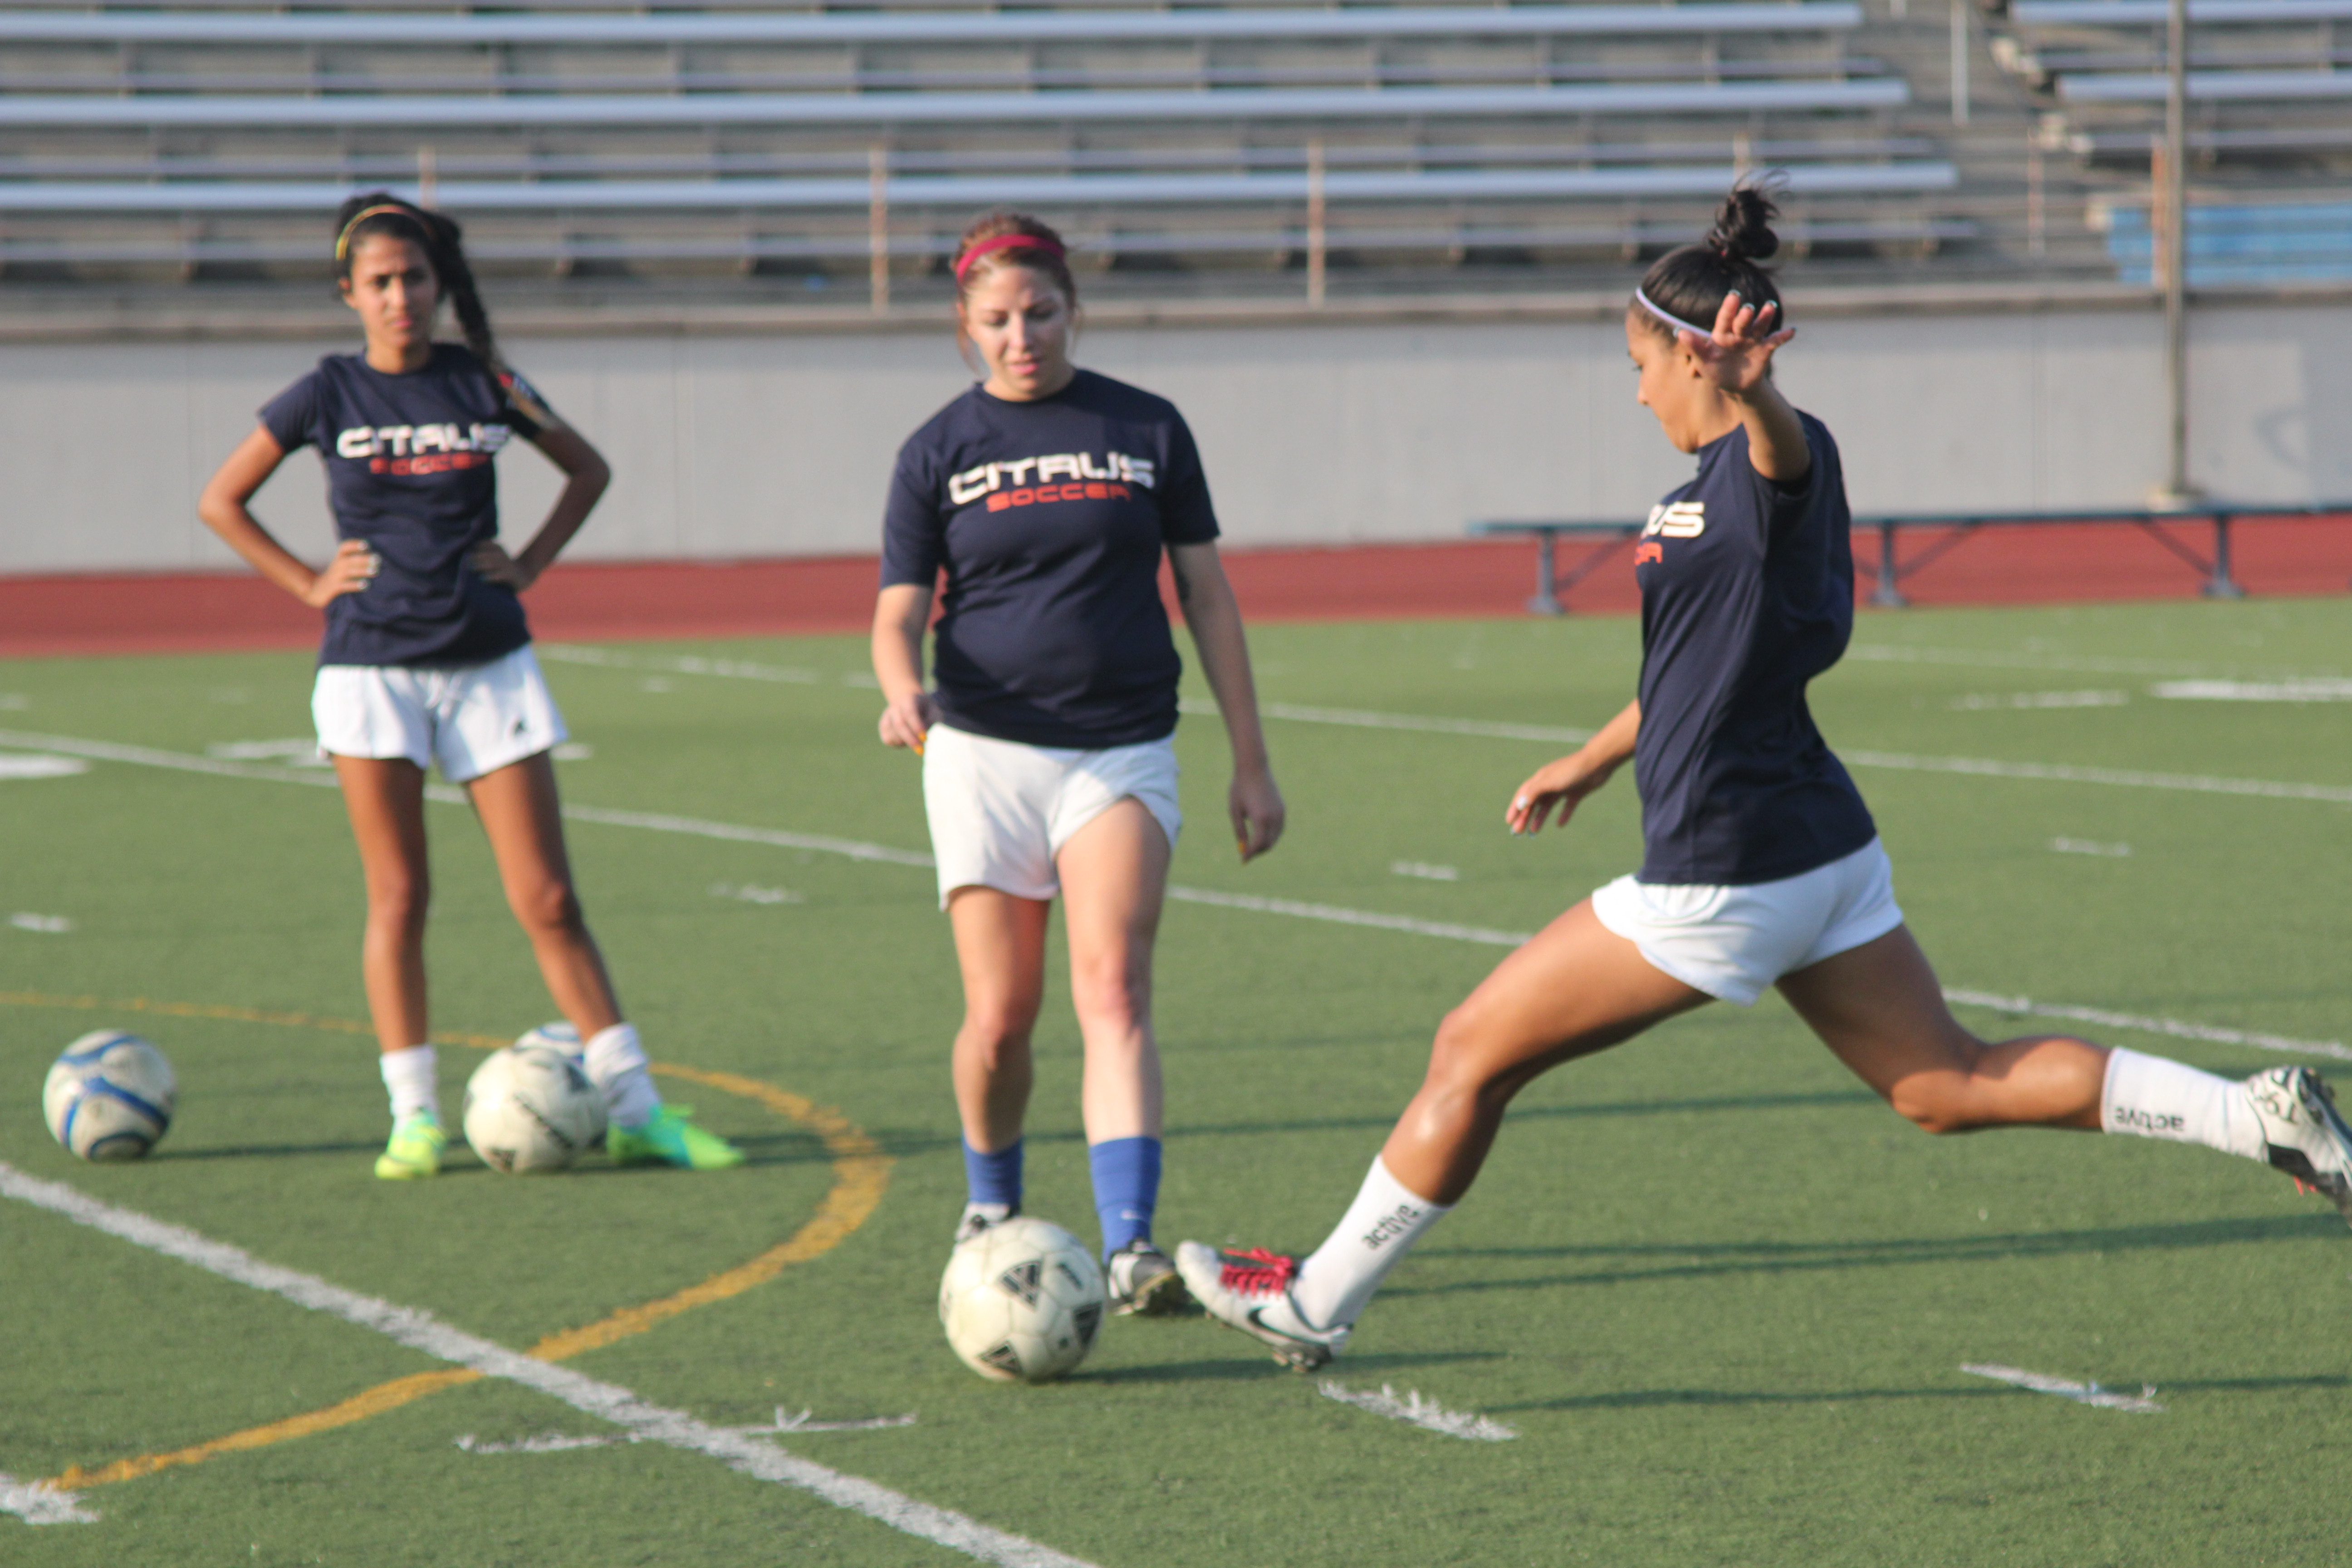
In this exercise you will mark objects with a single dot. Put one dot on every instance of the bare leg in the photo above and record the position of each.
(1114, 874)
(1576, 989)
(1879, 1008)
(1001, 948)
(522, 818)
(385, 798)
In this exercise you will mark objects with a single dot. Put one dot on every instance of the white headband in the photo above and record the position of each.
(1669, 316)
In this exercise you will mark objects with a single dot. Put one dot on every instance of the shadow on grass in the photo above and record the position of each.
(264, 1152)
(1709, 1260)
(908, 1142)
(1638, 1398)
(1255, 1368)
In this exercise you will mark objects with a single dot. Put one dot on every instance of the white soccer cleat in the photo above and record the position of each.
(2307, 1137)
(1251, 1292)
(1145, 1284)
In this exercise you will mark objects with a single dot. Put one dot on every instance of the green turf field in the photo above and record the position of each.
(1723, 1297)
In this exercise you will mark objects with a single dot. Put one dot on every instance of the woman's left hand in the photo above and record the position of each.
(1738, 355)
(493, 564)
(1257, 812)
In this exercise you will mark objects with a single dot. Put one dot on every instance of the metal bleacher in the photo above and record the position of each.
(743, 149)
(2269, 90)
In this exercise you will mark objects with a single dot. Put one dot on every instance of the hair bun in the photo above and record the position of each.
(1743, 226)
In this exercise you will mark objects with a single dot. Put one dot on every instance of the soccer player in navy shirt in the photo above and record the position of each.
(427, 659)
(1047, 495)
(1761, 864)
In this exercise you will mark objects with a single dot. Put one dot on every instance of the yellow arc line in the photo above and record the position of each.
(861, 1172)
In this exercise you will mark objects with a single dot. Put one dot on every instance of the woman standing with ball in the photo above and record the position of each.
(1048, 494)
(1762, 866)
(428, 656)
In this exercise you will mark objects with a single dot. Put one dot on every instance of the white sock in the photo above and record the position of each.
(414, 1085)
(1380, 1227)
(2153, 1097)
(616, 1064)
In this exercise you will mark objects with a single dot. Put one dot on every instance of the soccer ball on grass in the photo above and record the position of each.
(530, 1108)
(1022, 1302)
(110, 1096)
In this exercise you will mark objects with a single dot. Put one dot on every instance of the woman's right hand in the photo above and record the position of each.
(1561, 785)
(353, 569)
(908, 719)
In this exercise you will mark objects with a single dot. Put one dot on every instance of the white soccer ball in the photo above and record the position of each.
(110, 1096)
(561, 1037)
(531, 1107)
(1022, 1302)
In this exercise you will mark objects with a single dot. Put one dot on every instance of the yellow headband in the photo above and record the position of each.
(343, 240)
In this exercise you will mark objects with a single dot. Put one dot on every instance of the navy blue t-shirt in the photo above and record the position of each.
(408, 470)
(1049, 517)
(1747, 594)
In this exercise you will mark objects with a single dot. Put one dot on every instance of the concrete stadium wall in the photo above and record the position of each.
(1313, 432)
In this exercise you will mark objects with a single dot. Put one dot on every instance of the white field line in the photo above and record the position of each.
(679, 664)
(420, 1331)
(1993, 659)
(37, 1504)
(2142, 1404)
(563, 1442)
(2299, 690)
(2022, 1006)
(1294, 908)
(1420, 1412)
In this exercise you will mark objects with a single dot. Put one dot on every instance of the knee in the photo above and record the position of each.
(548, 907)
(996, 1041)
(1929, 1105)
(399, 902)
(1112, 993)
(1456, 1065)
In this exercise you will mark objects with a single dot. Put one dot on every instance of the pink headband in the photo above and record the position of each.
(1003, 242)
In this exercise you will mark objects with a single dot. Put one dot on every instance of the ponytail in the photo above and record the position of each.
(438, 236)
(1689, 283)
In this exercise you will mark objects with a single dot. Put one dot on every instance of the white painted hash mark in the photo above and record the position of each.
(2302, 690)
(783, 1425)
(1426, 1413)
(2089, 846)
(420, 1331)
(36, 1503)
(52, 925)
(1426, 871)
(40, 765)
(144, 756)
(2041, 700)
(751, 895)
(2141, 1404)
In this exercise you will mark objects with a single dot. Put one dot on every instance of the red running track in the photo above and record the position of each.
(2053, 563)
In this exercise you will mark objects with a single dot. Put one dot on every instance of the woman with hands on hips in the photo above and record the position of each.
(428, 656)
(1048, 494)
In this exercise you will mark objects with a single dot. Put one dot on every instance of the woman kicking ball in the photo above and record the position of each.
(428, 657)
(1760, 865)
(1048, 495)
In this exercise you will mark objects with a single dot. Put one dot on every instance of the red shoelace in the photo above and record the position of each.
(1257, 1272)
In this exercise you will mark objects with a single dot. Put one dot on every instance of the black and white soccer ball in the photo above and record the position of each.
(530, 1108)
(110, 1096)
(1022, 1302)
(561, 1037)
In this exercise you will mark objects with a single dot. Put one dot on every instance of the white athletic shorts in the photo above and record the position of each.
(999, 811)
(471, 719)
(1732, 943)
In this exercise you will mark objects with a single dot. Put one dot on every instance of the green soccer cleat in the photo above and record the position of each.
(414, 1151)
(670, 1139)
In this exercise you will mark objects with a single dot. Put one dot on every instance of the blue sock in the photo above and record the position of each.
(1127, 1188)
(994, 1178)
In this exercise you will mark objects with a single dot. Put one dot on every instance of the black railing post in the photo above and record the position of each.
(1886, 595)
(1547, 599)
(2221, 585)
